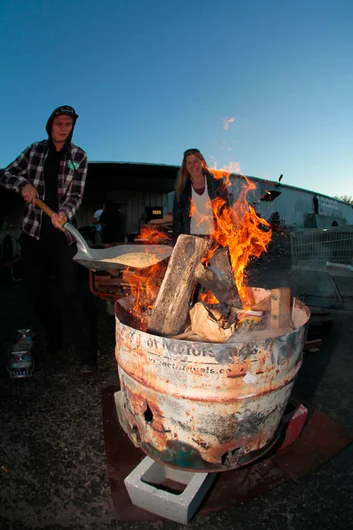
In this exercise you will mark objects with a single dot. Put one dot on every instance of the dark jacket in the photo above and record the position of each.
(181, 207)
(112, 223)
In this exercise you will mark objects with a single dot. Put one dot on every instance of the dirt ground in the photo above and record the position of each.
(52, 453)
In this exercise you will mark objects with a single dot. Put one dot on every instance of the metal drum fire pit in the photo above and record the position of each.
(204, 406)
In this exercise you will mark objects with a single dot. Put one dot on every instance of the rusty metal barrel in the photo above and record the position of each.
(204, 406)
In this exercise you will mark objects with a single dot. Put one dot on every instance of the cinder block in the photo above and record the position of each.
(179, 508)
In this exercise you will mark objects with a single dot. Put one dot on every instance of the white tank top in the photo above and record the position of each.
(202, 217)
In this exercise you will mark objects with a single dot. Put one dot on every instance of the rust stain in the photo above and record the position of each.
(215, 403)
(201, 443)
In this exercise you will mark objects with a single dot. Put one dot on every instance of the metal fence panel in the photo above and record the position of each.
(312, 249)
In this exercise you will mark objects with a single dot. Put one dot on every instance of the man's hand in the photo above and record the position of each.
(58, 219)
(29, 193)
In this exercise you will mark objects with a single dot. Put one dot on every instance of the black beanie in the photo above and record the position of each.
(66, 109)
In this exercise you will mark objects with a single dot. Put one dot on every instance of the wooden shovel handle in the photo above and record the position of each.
(46, 209)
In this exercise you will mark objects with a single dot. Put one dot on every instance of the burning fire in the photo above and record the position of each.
(208, 298)
(152, 235)
(237, 227)
(144, 284)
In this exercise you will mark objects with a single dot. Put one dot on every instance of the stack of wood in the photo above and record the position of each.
(174, 315)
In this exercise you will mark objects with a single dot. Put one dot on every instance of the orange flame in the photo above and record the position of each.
(208, 298)
(144, 283)
(144, 286)
(239, 229)
(152, 235)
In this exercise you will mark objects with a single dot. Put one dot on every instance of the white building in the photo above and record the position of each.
(295, 206)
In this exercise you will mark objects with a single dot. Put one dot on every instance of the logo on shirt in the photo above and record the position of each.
(73, 165)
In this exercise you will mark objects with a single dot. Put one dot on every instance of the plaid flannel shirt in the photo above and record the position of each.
(29, 168)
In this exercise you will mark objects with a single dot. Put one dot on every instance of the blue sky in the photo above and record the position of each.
(150, 78)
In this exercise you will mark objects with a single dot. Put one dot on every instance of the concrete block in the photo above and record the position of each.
(142, 486)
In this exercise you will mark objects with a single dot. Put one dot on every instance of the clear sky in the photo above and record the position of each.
(151, 78)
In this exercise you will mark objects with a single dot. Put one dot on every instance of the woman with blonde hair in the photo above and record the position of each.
(195, 190)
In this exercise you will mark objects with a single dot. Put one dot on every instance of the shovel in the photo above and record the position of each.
(82, 246)
(101, 259)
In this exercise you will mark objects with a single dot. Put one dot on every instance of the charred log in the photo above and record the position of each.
(218, 278)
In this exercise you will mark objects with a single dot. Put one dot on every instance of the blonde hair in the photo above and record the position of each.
(183, 173)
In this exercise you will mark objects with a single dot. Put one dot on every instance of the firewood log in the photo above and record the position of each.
(218, 278)
(171, 308)
(281, 313)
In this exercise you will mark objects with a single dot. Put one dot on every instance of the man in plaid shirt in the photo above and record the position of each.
(53, 170)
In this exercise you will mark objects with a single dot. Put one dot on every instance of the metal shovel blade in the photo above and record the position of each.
(82, 246)
(118, 257)
(112, 257)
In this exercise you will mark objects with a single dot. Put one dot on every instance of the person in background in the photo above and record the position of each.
(112, 223)
(54, 170)
(98, 226)
(195, 184)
